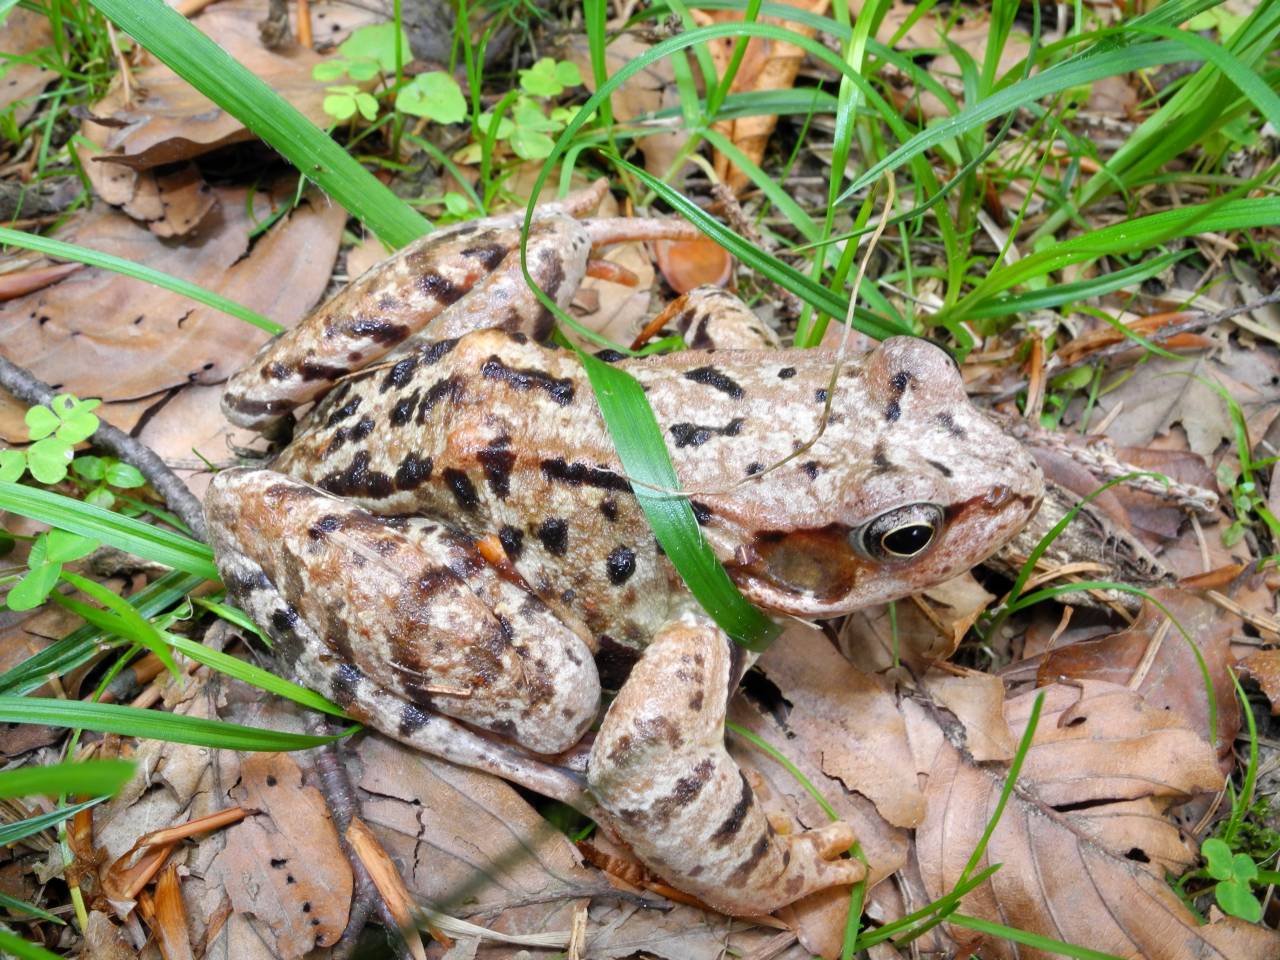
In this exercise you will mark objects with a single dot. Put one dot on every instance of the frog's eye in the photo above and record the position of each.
(902, 533)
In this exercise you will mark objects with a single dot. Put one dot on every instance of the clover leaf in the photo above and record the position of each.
(548, 77)
(342, 101)
(48, 553)
(1234, 873)
(434, 95)
(377, 43)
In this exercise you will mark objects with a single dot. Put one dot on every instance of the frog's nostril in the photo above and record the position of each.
(998, 496)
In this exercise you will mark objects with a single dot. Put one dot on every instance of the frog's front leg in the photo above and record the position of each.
(660, 769)
(404, 624)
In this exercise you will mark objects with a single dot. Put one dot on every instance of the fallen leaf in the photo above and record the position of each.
(1070, 869)
(285, 866)
(151, 341)
(686, 264)
(25, 33)
(977, 700)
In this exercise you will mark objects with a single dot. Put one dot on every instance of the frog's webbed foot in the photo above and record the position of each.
(463, 278)
(660, 769)
(403, 624)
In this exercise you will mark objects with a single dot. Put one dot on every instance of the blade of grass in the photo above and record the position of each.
(25, 949)
(177, 43)
(14, 905)
(1047, 944)
(84, 777)
(11, 833)
(82, 645)
(123, 533)
(155, 725)
(95, 258)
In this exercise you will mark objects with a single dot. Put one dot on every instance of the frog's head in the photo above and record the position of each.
(911, 485)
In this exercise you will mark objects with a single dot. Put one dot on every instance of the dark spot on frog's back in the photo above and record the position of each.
(324, 526)
(729, 828)
(463, 490)
(898, 382)
(693, 435)
(711, 377)
(497, 460)
(948, 423)
(488, 254)
(276, 371)
(439, 287)
(942, 468)
(346, 679)
(578, 474)
(400, 374)
(893, 411)
(560, 389)
(357, 480)
(412, 719)
(620, 565)
(377, 329)
(512, 540)
(554, 534)
(402, 412)
(344, 411)
(433, 353)
(310, 370)
(552, 265)
(362, 429)
(413, 472)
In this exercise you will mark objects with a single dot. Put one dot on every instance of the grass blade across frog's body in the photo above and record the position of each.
(363, 552)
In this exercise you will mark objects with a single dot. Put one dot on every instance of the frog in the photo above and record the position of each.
(450, 548)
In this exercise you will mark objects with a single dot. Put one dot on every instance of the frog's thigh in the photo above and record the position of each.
(408, 605)
(660, 769)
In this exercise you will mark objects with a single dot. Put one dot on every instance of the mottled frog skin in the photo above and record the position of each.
(450, 548)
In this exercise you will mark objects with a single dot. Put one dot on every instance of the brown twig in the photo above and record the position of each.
(340, 797)
(1196, 320)
(26, 387)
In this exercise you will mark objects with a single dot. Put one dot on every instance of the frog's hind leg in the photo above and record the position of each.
(660, 769)
(404, 625)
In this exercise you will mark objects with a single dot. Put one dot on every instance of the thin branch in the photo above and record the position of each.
(26, 387)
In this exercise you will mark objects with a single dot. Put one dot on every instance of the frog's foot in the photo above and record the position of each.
(399, 620)
(660, 770)
(463, 278)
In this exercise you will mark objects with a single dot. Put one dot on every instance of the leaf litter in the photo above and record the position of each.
(910, 749)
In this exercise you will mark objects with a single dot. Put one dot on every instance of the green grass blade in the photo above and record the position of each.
(1062, 77)
(255, 676)
(177, 43)
(1248, 82)
(25, 949)
(80, 646)
(95, 258)
(11, 833)
(1046, 944)
(1126, 237)
(154, 725)
(124, 618)
(1057, 295)
(123, 533)
(640, 446)
(14, 905)
(85, 777)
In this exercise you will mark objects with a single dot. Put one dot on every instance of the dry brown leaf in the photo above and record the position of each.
(1092, 875)
(25, 32)
(766, 65)
(930, 626)
(466, 843)
(647, 92)
(1158, 659)
(168, 121)
(97, 333)
(286, 866)
(1264, 667)
(977, 700)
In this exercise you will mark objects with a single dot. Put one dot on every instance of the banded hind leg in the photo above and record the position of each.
(660, 771)
(464, 278)
(404, 624)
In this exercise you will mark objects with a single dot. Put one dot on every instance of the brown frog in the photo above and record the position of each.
(451, 550)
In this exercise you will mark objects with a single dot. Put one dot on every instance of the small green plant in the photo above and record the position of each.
(1236, 874)
(532, 117)
(48, 553)
(97, 475)
(55, 430)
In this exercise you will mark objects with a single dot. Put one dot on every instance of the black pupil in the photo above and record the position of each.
(909, 540)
